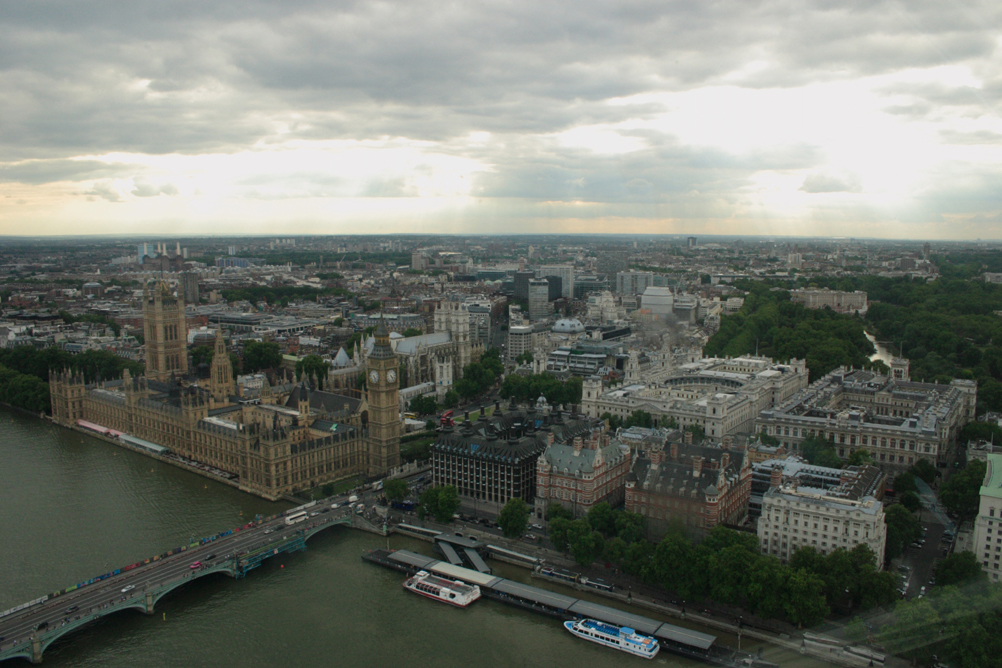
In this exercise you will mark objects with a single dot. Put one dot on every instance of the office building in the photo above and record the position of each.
(566, 274)
(539, 304)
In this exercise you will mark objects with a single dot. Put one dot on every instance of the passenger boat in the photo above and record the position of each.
(455, 592)
(621, 638)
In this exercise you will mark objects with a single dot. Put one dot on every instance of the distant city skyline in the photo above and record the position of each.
(775, 119)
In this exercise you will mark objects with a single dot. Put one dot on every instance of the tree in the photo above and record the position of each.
(819, 452)
(961, 494)
(514, 518)
(630, 526)
(412, 331)
(202, 355)
(441, 502)
(959, 568)
(856, 631)
(425, 405)
(451, 399)
(904, 483)
(902, 528)
(924, 469)
(859, 457)
(698, 433)
(911, 501)
(524, 358)
(558, 532)
(313, 366)
(585, 544)
(261, 355)
(396, 489)
(555, 510)
(602, 518)
(639, 419)
(448, 504)
(805, 601)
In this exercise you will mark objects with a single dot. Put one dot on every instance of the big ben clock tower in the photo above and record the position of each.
(384, 405)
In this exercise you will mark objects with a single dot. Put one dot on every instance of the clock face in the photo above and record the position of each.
(391, 375)
(374, 376)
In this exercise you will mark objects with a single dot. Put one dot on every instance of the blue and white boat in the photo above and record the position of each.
(621, 638)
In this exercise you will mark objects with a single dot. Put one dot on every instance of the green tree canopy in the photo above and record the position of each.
(425, 405)
(961, 494)
(819, 452)
(959, 568)
(514, 518)
(902, 528)
(396, 489)
(440, 502)
(260, 355)
(313, 366)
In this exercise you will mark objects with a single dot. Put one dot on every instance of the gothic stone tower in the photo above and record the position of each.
(384, 405)
(166, 333)
(221, 381)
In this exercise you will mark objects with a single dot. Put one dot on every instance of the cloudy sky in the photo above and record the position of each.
(799, 117)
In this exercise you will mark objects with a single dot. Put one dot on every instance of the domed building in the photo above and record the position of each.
(568, 326)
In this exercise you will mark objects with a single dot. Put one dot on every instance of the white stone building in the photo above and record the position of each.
(794, 517)
(897, 421)
(988, 524)
(722, 396)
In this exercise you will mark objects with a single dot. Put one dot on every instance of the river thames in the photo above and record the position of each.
(75, 507)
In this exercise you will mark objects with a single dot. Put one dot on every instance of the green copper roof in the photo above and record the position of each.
(993, 477)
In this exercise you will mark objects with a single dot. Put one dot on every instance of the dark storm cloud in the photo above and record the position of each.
(218, 72)
(84, 78)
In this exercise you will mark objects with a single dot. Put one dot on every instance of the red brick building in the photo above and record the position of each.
(699, 485)
(579, 474)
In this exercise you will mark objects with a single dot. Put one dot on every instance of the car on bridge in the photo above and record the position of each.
(72, 609)
(197, 564)
(128, 588)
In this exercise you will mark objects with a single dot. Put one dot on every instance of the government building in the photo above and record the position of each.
(289, 439)
(898, 421)
(827, 518)
(721, 396)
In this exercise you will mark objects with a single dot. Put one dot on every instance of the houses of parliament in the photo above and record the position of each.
(292, 438)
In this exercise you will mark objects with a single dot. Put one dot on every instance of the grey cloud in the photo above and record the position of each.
(418, 69)
(831, 183)
(145, 189)
(36, 172)
(104, 191)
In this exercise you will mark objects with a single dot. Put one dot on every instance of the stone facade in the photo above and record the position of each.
(896, 421)
(166, 333)
(988, 524)
(293, 439)
(794, 516)
(722, 396)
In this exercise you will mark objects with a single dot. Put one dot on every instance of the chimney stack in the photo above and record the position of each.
(687, 437)
(674, 450)
(776, 477)
(577, 446)
(726, 442)
(697, 466)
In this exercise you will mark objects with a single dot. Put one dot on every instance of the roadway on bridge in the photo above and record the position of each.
(89, 600)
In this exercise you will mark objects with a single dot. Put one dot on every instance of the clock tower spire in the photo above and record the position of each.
(384, 405)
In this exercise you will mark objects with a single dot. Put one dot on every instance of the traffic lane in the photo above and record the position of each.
(922, 560)
(169, 569)
(162, 570)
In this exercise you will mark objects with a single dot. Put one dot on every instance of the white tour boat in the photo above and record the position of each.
(621, 638)
(455, 592)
